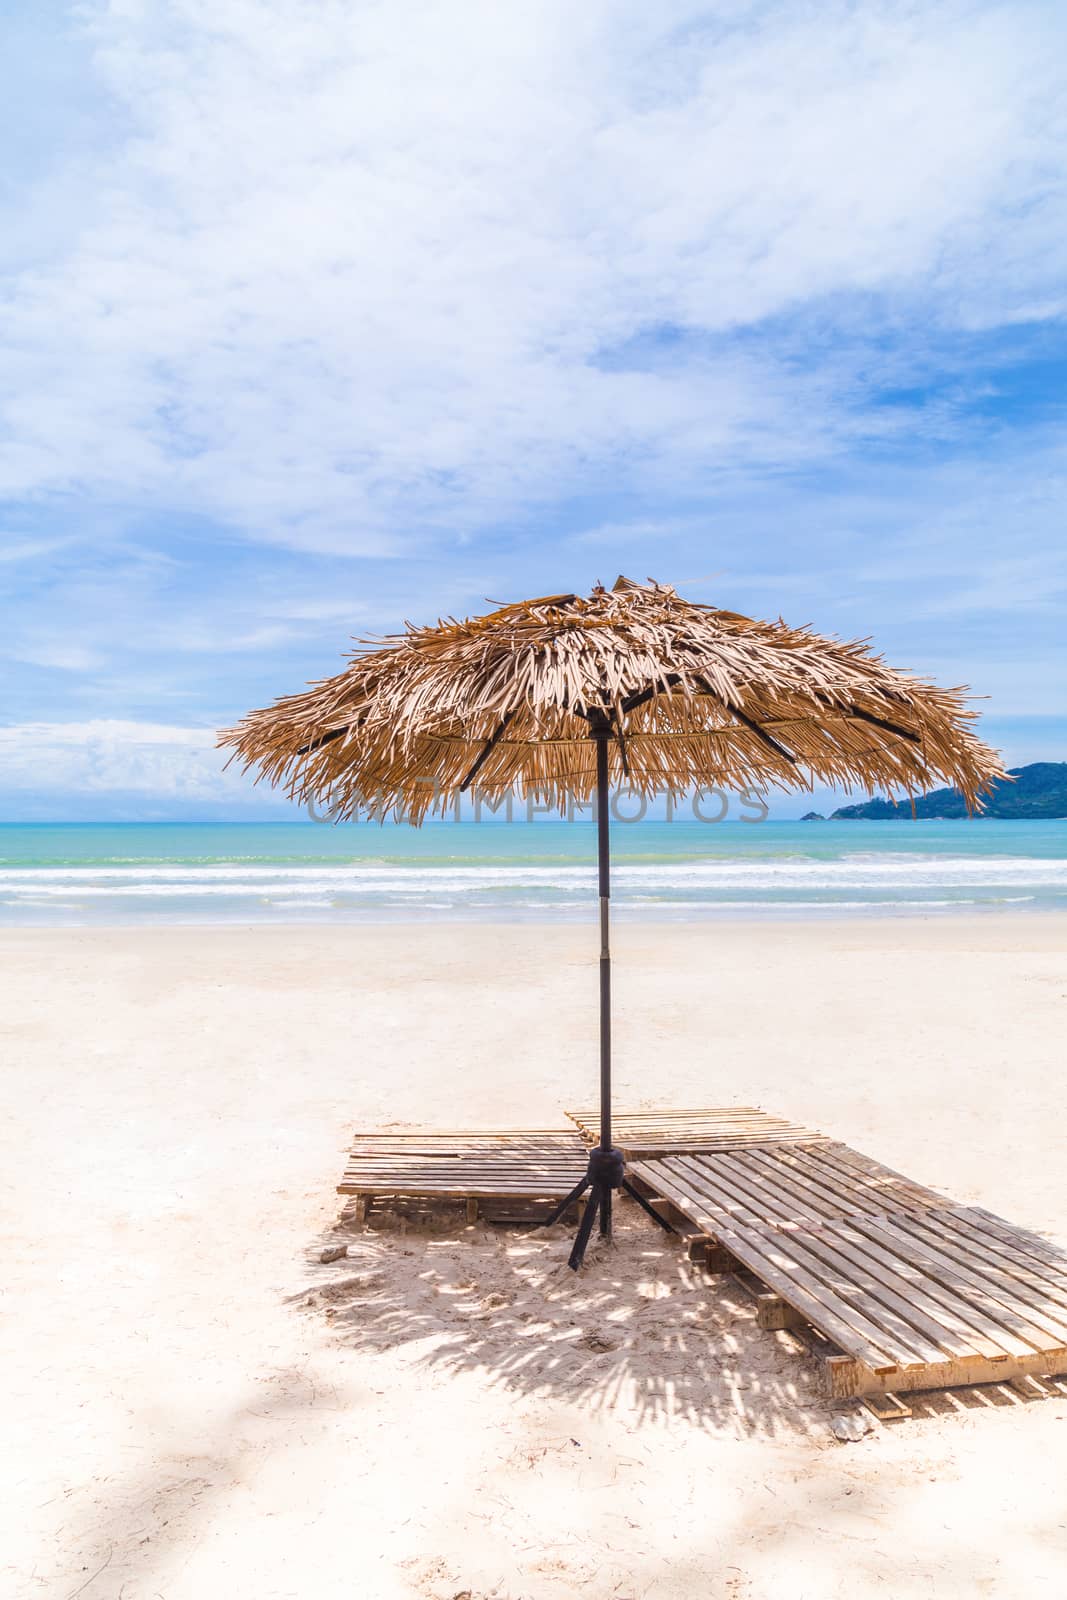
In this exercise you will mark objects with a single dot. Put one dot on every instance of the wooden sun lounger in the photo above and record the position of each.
(913, 1292)
(643, 1134)
(503, 1175)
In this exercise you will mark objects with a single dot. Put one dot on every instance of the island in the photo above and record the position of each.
(1034, 793)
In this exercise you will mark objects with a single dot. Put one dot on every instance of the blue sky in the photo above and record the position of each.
(317, 316)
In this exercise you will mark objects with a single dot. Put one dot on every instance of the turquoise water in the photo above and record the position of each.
(77, 874)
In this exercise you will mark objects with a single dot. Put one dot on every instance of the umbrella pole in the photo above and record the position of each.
(607, 1168)
(604, 878)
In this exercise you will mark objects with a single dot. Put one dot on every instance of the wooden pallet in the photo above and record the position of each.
(788, 1185)
(913, 1292)
(646, 1134)
(502, 1174)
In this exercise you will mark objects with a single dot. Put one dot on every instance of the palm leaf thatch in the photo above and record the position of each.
(693, 696)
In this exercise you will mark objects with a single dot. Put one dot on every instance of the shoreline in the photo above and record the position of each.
(573, 919)
(1018, 908)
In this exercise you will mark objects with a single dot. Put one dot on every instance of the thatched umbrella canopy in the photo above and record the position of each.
(560, 695)
(693, 695)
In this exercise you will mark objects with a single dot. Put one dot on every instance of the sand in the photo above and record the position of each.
(197, 1407)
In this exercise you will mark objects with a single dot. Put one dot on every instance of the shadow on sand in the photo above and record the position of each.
(640, 1329)
(641, 1333)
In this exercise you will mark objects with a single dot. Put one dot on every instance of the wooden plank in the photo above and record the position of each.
(997, 1297)
(464, 1133)
(976, 1291)
(1013, 1245)
(646, 1150)
(708, 1121)
(848, 1378)
(1034, 1245)
(937, 1287)
(664, 1116)
(728, 1206)
(569, 1141)
(808, 1178)
(661, 1180)
(930, 1297)
(429, 1164)
(422, 1147)
(444, 1164)
(790, 1200)
(547, 1158)
(843, 1156)
(460, 1191)
(475, 1168)
(873, 1187)
(778, 1186)
(458, 1163)
(524, 1167)
(716, 1193)
(971, 1239)
(373, 1152)
(709, 1127)
(862, 1292)
(900, 1293)
(764, 1197)
(678, 1209)
(664, 1179)
(660, 1131)
(799, 1201)
(889, 1407)
(834, 1317)
(972, 1249)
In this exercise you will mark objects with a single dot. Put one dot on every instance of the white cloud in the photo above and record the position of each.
(352, 270)
(54, 653)
(13, 547)
(101, 756)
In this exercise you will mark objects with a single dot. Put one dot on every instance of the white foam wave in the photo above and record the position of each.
(677, 880)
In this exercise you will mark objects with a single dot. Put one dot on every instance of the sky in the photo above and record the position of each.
(318, 315)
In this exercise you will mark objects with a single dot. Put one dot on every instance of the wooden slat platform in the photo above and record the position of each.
(434, 1141)
(646, 1134)
(914, 1292)
(787, 1185)
(524, 1166)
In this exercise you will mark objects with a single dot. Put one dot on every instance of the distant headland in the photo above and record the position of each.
(1038, 792)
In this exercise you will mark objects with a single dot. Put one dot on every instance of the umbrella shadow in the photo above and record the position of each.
(641, 1330)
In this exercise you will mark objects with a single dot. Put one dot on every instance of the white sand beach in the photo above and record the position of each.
(197, 1407)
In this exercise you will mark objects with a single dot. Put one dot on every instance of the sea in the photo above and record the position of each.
(106, 874)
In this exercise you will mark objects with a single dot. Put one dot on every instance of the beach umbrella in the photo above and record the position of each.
(563, 696)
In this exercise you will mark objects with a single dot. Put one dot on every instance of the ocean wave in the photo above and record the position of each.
(867, 871)
(513, 877)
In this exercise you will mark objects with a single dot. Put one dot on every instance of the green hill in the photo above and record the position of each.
(1039, 791)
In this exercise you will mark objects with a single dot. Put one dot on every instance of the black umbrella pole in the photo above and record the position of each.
(606, 1166)
(604, 877)
(607, 1169)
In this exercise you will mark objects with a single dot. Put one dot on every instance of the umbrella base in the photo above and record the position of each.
(605, 1174)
